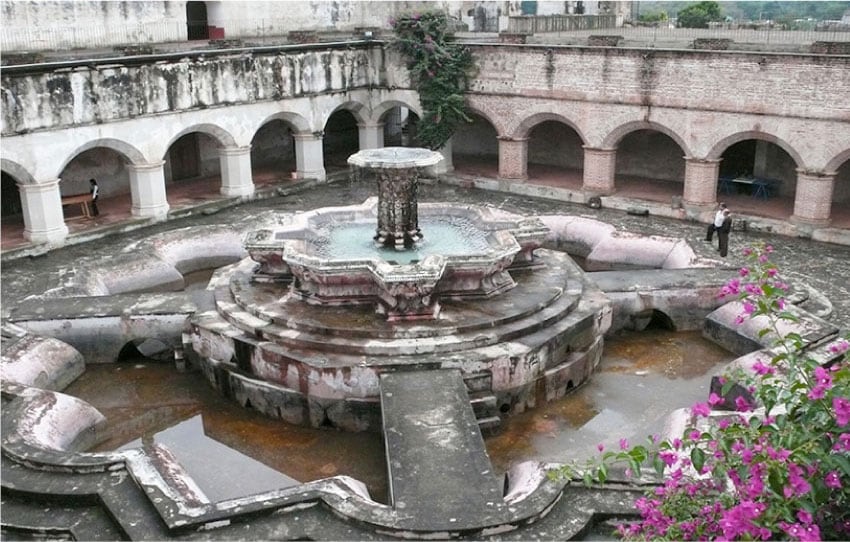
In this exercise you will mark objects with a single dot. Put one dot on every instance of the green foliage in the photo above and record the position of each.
(775, 468)
(653, 17)
(440, 71)
(699, 15)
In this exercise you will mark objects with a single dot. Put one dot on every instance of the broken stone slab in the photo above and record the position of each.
(40, 362)
(722, 327)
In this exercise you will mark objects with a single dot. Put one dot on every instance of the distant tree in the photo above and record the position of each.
(699, 15)
(653, 17)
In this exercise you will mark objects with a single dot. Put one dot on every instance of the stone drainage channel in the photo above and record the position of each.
(441, 482)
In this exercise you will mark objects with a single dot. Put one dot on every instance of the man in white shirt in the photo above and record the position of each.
(93, 190)
(715, 225)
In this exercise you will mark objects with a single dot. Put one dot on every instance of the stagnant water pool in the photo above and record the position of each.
(233, 452)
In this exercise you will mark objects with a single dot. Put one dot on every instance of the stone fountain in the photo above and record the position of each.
(336, 297)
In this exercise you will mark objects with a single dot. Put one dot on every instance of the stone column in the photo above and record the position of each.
(147, 189)
(513, 158)
(701, 182)
(371, 135)
(44, 221)
(599, 167)
(309, 157)
(813, 200)
(236, 179)
(446, 165)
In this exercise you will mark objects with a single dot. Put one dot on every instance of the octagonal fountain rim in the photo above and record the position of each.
(395, 158)
(506, 234)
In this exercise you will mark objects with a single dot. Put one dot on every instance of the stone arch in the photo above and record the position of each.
(383, 107)
(837, 161)
(298, 122)
(617, 134)
(554, 150)
(273, 154)
(128, 152)
(527, 125)
(219, 134)
(475, 146)
(20, 173)
(341, 135)
(357, 109)
(490, 116)
(717, 150)
(399, 128)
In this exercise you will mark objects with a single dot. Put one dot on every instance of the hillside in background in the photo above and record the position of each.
(754, 11)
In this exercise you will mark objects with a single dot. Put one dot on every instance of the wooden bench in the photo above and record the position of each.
(82, 200)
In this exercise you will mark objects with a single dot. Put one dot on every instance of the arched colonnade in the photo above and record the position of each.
(819, 178)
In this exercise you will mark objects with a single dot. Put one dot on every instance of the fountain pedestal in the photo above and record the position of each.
(396, 171)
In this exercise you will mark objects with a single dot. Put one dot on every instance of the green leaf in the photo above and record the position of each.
(698, 458)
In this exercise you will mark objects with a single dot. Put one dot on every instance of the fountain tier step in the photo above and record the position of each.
(300, 363)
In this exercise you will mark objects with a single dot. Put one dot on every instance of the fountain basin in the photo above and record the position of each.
(467, 255)
(320, 365)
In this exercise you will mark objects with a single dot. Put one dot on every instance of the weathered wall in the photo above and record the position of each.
(703, 101)
(103, 93)
(52, 25)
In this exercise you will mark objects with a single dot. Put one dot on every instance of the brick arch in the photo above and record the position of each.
(297, 122)
(489, 116)
(17, 171)
(720, 147)
(529, 123)
(617, 134)
(383, 107)
(837, 161)
(129, 152)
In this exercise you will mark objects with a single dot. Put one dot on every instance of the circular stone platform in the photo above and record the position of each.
(320, 365)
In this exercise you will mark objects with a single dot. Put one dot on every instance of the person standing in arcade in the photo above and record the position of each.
(93, 190)
(723, 232)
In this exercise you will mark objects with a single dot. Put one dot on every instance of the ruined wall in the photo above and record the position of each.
(102, 93)
(764, 83)
(79, 24)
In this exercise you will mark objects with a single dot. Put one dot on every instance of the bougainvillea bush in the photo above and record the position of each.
(776, 467)
(439, 69)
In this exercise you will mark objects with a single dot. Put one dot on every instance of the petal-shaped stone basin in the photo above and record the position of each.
(469, 257)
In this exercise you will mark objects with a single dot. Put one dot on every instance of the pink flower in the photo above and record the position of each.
(832, 479)
(744, 272)
(762, 369)
(600, 446)
(842, 410)
(840, 346)
(742, 405)
(701, 409)
(771, 272)
(714, 399)
(804, 516)
(624, 444)
(749, 307)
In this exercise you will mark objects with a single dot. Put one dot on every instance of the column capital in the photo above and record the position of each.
(514, 139)
(815, 175)
(39, 186)
(308, 136)
(697, 160)
(142, 168)
(370, 124)
(235, 151)
(599, 150)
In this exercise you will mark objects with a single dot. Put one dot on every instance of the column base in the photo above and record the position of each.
(54, 236)
(157, 211)
(237, 191)
(814, 222)
(318, 174)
